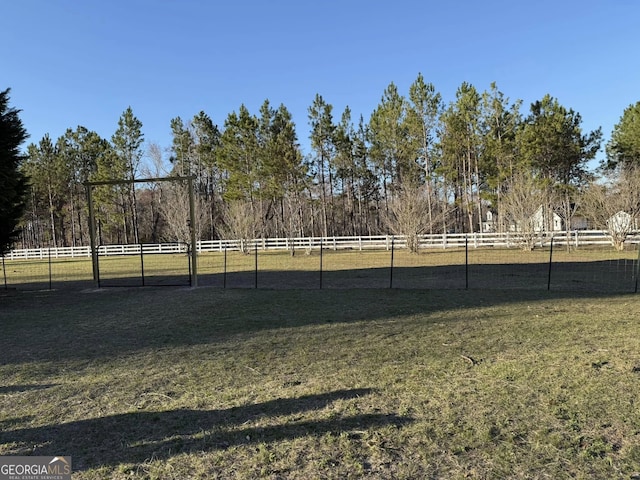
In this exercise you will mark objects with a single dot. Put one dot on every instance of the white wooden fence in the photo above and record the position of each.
(577, 239)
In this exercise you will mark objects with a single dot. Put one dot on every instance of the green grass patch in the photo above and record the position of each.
(211, 383)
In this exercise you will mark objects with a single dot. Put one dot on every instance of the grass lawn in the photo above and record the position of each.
(184, 383)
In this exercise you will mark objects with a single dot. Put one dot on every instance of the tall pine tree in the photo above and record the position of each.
(13, 184)
(127, 144)
(623, 150)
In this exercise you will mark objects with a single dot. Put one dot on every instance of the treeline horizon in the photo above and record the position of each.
(415, 166)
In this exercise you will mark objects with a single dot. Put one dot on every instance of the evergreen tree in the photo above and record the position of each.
(183, 148)
(323, 145)
(282, 171)
(391, 149)
(368, 186)
(209, 174)
(206, 136)
(623, 150)
(239, 158)
(127, 144)
(500, 162)
(50, 180)
(81, 151)
(552, 144)
(461, 142)
(425, 107)
(346, 171)
(13, 184)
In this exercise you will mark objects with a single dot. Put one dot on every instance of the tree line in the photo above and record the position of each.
(417, 165)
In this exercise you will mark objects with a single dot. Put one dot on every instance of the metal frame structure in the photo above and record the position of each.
(192, 220)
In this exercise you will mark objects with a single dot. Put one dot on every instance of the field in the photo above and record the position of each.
(185, 383)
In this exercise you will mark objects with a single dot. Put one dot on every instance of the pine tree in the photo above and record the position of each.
(425, 107)
(323, 146)
(461, 143)
(13, 184)
(49, 179)
(127, 144)
(552, 144)
(500, 162)
(623, 150)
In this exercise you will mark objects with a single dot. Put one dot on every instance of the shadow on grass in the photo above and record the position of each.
(614, 275)
(7, 389)
(136, 437)
(598, 276)
(57, 326)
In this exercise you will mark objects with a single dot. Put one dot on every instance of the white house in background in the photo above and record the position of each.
(622, 222)
(489, 223)
(540, 224)
(537, 221)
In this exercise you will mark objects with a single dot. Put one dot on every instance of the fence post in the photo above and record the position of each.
(320, 263)
(97, 266)
(49, 260)
(391, 269)
(4, 273)
(637, 269)
(255, 249)
(466, 262)
(92, 236)
(550, 263)
(142, 265)
(224, 271)
(189, 263)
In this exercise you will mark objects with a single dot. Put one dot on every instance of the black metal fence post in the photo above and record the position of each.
(50, 276)
(224, 269)
(4, 273)
(637, 269)
(189, 264)
(550, 264)
(393, 241)
(466, 262)
(320, 263)
(142, 264)
(96, 268)
(255, 249)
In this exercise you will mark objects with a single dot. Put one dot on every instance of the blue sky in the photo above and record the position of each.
(83, 62)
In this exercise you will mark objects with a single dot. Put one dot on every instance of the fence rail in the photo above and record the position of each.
(576, 238)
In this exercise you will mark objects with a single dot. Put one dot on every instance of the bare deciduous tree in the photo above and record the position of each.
(240, 223)
(175, 211)
(521, 202)
(615, 206)
(411, 214)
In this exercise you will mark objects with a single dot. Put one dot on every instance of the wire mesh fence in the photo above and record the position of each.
(595, 269)
(145, 267)
(47, 273)
(551, 266)
(130, 267)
